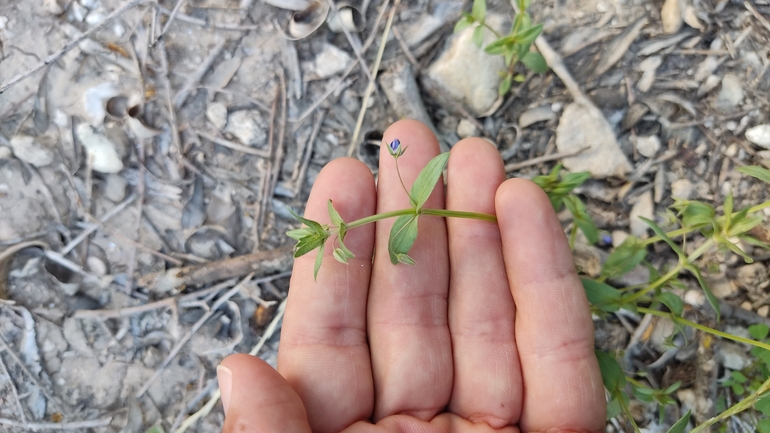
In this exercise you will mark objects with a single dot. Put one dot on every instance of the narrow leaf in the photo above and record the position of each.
(612, 375)
(402, 237)
(318, 260)
(316, 227)
(505, 85)
(582, 219)
(535, 62)
(658, 231)
(728, 208)
(499, 46)
(713, 301)
(601, 295)
(463, 23)
(624, 258)
(478, 36)
(673, 302)
(760, 173)
(298, 234)
(479, 10)
(523, 5)
(681, 424)
(334, 216)
(426, 181)
(526, 37)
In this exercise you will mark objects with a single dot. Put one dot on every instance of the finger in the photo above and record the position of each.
(324, 351)
(554, 332)
(256, 397)
(444, 422)
(408, 332)
(487, 377)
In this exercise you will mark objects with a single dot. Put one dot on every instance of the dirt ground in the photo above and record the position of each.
(147, 172)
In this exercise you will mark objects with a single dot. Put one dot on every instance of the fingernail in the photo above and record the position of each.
(225, 378)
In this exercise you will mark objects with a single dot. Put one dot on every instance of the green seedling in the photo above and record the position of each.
(514, 46)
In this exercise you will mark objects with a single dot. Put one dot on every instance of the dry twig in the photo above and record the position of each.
(65, 426)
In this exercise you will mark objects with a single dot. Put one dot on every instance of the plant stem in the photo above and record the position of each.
(459, 214)
(486, 26)
(683, 321)
(657, 283)
(402, 182)
(435, 212)
(700, 250)
(735, 409)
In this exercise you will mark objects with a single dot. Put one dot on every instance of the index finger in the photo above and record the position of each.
(563, 388)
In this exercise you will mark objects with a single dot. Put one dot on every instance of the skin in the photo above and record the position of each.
(490, 331)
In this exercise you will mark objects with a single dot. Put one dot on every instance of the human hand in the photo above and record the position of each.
(490, 330)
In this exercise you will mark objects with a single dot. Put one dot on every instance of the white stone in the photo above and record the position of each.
(759, 135)
(733, 356)
(583, 128)
(216, 113)
(466, 128)
(618, 236)
(644, 207)
(763, 310)
(3, 22)
(329, 61)
(5, 152)
(115, 187)
(248, 126)
(534, 115)
(731, 93)
(648, 146)
(32, 152)
(671, 16)
(682, 189)
(467, 73)
(101, 151)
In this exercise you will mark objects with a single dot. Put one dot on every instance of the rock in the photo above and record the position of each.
(661, 333)
(752, 276)
(719, 285)
(648, 146)
(216, 113)
(746, 306)
(31, 151)
(467, 73)
(542, 113)
(115, 187)
(648, 66)
(582, 127)
(101, 151)
(5, 152)
(329, 61)
(731, 94)
(644, 207)
(759, 135)
(466, 128)
(763, 310)
(248, 126)
(671, 16)
(733, 356)
(682, 189)
(401, 89)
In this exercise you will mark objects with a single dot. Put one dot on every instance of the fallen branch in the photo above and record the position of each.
(263, 262)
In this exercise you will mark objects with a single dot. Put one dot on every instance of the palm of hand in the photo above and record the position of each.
(489, 331)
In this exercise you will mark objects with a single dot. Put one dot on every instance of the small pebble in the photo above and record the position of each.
(216, 113)
(759, 135)
(682, 189)
(96, 266)
(763, 310)
(746, 306)
(648, 146)
(644, 207)
(466, 128)
(3, 22)
(732, 150)
(731, 93)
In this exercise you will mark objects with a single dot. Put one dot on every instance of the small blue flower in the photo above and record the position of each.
(395, 148)
(394, 145)
(607, 239)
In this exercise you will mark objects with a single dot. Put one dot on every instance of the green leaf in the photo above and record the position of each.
(680, 425)
(601, 295)
(505, 85)
(612, 375)
(737, 389)
(479, 10)
(624, 258)
(706, 290)
(307, 244)
(499, 46)
(763, 405)
(574, 180)
(334, 216)
(759, 331)
(526, 37)
(582, 219)
(738, 377)
(643, 393)
(760, 173)
(402, 237)
(298, 234)
(463, 23)
(519, 78)
(521, 22)
(523, 5)
(535, 62)
(316, 227)
(155, 429)
(478, 36)
(743, 224)
(694, 213)
(426, 181)
(763, 426)
(318, 260)
(673, 302)
(728, 209)
(658, 231)
(673, 387)
(613, 408)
